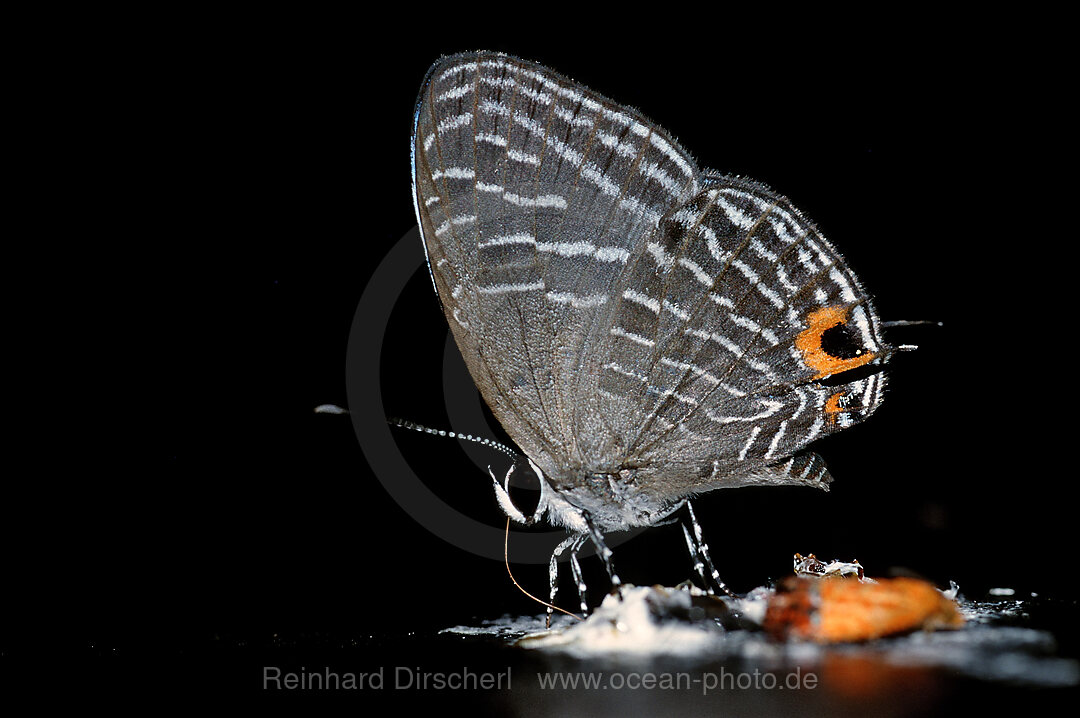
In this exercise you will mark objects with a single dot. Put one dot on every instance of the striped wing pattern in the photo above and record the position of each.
(618, 307)
(703, 345)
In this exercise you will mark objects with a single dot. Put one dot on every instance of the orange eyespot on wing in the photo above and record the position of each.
(815, 355)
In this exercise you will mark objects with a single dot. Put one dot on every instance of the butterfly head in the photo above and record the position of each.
(526, 496)
(611, 501)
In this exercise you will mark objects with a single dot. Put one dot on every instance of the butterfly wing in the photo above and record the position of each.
(619, 309)
(536, 198)
(749, 338)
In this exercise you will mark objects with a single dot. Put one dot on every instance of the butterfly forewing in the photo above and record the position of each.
(535, 193)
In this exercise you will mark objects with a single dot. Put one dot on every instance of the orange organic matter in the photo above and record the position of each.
(837, 610)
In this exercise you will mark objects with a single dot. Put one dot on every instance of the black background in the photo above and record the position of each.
(235, 187)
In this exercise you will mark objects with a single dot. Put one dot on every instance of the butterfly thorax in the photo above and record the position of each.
(614, 501)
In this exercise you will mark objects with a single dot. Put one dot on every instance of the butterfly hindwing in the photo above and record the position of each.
(735, 377)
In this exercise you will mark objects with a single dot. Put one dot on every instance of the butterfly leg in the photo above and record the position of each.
(575, 568)
(553, 572)
(699, 554)
(602, 550)
(699, 567)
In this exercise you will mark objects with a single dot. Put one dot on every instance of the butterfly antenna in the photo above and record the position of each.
(405, 424)
(491, 443)
(910, 323)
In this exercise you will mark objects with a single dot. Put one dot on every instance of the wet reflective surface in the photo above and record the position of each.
(1014, 653)
(1000, 642)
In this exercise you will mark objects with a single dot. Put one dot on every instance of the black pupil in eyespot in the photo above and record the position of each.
(524, 488)
(840, 342)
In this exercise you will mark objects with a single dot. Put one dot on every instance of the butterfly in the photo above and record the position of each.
(645, 330)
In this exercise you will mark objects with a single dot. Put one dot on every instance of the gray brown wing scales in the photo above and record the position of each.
(680, 481)
(725, 349)
(533, 194)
